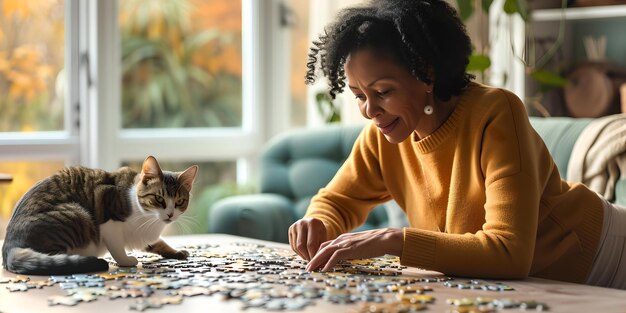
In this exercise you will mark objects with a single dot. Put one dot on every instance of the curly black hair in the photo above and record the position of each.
(425, 36)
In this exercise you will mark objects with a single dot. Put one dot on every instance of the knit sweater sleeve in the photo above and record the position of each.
(510, 167)
(356, 188)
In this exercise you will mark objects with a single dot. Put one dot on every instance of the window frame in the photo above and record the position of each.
(51, 145)
(93, 134)
(113, 145)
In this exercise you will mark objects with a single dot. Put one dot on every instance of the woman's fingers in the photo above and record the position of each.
(325, 244)
(321, 258)
(314, 236)
(290, 235)
(296, 237)
(306, 236)
(302, 240)
(333, 251)
(313, 243)
(293, 239)
(360, 245)
(338, 255)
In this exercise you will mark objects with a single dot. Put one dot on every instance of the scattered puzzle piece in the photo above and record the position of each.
(267, 279)
(13, 287)
(472, 309)
(16, 279)
(190, 291)
(369, 307)
(63, 300)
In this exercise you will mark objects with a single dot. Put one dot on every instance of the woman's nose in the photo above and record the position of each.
(372, 109)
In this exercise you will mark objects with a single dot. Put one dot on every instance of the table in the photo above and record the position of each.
(560, 296)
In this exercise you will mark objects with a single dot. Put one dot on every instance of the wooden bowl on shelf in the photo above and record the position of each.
(589, 92)
(5, 178)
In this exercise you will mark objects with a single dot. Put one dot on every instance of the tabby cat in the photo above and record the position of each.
(66, 221)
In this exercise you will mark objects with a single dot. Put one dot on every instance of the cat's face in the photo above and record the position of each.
(164, 195)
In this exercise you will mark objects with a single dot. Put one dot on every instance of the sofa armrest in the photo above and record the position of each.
(620, 192)
(260, 216)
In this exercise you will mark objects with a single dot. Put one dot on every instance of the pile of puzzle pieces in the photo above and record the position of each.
(266, 278)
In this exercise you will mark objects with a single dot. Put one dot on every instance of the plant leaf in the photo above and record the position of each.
(509, 7)
(548, 78)
(522, 9)
(466, 8)
(478, 63)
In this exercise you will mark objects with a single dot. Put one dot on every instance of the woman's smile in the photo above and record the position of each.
(389, 127)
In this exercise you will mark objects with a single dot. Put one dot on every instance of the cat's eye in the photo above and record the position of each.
(180, 202)
(159, 200)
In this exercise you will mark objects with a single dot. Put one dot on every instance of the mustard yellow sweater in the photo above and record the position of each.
(483, 196)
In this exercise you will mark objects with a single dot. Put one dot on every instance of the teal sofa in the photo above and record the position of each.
(295, 165)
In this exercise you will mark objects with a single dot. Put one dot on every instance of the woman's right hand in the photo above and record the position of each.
(305, 237)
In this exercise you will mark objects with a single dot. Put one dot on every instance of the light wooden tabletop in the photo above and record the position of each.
(560, 296)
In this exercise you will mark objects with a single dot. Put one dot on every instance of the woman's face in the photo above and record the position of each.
(387, 93)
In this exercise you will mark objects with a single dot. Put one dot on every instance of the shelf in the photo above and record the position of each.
(581, 13)
(5, 178)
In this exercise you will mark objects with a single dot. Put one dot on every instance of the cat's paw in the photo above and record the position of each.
(129, 261)
(180, 254)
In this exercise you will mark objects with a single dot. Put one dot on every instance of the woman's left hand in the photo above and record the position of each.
(361, 245)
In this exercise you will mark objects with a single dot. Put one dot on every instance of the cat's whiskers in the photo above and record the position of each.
(136, 230)
(135, 218)
(193, 219)
(181, 228)
(184, 221)
(140, 231)
(156, 224)
(144, 228)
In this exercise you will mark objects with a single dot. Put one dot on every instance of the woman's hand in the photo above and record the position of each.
(366, 244)
(306, 235)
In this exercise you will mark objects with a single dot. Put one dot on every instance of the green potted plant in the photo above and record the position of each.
(539, 68)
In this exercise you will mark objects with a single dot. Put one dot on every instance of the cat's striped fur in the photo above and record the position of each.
(66, 221)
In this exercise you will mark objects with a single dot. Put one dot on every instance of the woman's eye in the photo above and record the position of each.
(382, 93)
(360, 97)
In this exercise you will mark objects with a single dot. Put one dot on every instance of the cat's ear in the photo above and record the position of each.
(186, 178)
(150, 170)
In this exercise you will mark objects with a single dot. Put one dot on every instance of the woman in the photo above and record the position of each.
(479, 187)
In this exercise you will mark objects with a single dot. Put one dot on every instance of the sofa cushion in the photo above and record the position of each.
(559, 134)
(306, 176)
(298, 163)
(261, 216)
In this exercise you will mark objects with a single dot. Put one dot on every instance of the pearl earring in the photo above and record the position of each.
(428, 110)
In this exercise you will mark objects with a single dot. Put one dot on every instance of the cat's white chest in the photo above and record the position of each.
(133, 234)
(142, 231)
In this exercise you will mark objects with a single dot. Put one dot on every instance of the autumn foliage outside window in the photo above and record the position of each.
(32, 85)
(181, 63)
(180, 67)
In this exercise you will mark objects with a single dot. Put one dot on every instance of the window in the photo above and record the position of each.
(300, 42)
(181, 63)
(35, 124)
(182, 94)
(32, 81)
(105, 83)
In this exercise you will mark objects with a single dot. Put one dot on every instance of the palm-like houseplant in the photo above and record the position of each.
(544, 72)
